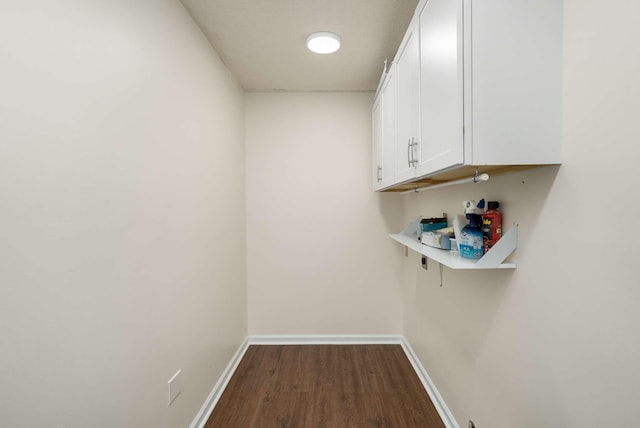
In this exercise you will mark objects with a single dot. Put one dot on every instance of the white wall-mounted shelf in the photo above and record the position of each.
(494, 259)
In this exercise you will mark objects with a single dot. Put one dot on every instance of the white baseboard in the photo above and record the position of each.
(321, 339)
(211, 401)
(444, 412)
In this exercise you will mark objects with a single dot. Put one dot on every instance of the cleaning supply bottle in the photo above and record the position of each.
(491, 225)
(470, 240)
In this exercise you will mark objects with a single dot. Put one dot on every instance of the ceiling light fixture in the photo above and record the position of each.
(323, 42)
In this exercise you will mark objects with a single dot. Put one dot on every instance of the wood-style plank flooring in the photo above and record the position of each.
(324, 386)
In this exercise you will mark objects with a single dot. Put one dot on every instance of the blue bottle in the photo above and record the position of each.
(471, 236)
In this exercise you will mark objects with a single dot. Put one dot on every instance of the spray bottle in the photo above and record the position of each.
(471, 240)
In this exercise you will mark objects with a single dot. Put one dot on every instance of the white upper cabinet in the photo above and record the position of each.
(408, 85)
(479, 85)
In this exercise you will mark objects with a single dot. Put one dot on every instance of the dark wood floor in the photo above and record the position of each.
(324, 386)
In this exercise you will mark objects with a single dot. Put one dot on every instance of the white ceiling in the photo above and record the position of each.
(263, 42)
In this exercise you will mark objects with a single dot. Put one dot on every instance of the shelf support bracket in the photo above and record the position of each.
(501, 250)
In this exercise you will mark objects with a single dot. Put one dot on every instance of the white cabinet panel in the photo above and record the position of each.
(515, 69)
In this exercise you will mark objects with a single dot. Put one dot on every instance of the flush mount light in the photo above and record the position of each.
(323, 42)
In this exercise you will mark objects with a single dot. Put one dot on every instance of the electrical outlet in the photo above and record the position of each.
(471, 424)
(175, 386)
(424, 262)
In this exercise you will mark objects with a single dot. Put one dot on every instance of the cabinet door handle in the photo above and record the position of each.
(413, 145)
(409, 145)
(378, 175)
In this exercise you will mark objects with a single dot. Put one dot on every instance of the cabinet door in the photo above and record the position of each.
(408, 78)
(441, 86)
(376, 118)
(384, 133)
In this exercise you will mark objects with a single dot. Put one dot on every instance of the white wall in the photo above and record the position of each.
(555, 342)
(121, 214)
(318, 258)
